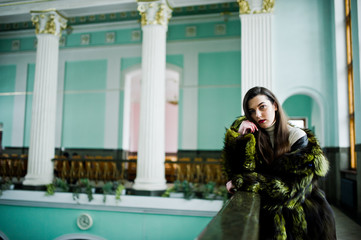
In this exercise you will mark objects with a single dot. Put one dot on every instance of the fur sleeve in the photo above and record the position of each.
(238, 153)
(289, 178)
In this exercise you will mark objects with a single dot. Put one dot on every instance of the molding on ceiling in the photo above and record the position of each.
(19, 11)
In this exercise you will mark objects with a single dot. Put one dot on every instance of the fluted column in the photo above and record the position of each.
(256, 44)
(48, 27)
(151, 147)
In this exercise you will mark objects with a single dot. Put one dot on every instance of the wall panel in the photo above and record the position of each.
(219, 96)
(84, 104)
(7, 86)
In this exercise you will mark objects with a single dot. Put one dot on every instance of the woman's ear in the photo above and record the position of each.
(276, 106)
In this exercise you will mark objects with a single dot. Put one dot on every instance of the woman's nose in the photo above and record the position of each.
(258, 113)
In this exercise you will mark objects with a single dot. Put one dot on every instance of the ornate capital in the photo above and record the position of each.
(48, 22)
(255, 6)
(154, 12)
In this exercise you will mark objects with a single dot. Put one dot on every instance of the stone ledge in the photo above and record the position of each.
(137, 204)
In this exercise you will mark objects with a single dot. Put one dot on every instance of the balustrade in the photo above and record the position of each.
(13, 166)
(108, 168)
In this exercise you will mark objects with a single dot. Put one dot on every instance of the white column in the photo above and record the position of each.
(49, 25)
(256, 44)
(151, 148)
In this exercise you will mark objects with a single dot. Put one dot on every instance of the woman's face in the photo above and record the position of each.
(262, 111)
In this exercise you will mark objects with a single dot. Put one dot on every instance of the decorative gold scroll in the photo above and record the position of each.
(154, 13)
(268, 6)
(48, 22)
(244, 7)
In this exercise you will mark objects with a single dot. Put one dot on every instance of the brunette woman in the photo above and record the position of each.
(266, 155)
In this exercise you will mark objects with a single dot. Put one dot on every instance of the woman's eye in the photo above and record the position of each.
(262, 107)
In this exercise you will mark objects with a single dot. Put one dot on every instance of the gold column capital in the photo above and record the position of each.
(48, 22)
(255, 6)
(157, 12)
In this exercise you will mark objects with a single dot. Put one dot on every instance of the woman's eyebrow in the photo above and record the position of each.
(250, 109)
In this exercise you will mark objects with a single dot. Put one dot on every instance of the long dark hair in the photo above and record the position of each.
(281, 132)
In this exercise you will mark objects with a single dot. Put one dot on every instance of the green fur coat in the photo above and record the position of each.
(293, 207)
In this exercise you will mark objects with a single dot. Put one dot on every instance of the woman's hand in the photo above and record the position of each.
(247, 127)
(230, 187)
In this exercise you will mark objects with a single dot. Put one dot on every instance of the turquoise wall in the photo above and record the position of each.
(49, 223)
(7, 80)
(218, 96)
(28, 104)
(356, 69)
(176, 32)
(84, 104)
(303, 60)
(304, 108)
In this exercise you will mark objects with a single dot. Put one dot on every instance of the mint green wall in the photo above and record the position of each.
(299, 106)
(303, 41)
(6, 117)
(124, 36)
(29, 102)
(26, 44)
(49, 223)
(356, 69)
(130, 62)
(218, 96)
(303, 57)
(175, 60)
(204, 30)
(7, 80)
(83, 109)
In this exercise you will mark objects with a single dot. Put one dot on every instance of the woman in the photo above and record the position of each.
(264, 154)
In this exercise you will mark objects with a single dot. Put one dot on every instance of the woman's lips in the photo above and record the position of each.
(261, 121)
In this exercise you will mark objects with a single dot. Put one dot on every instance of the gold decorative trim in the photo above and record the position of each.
(268, 6)
(48, 21)
(244, 7)
(154, 13)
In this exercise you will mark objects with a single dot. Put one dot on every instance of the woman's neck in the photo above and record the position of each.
(270, 130)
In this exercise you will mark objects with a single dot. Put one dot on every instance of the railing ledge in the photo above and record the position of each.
(238, 219)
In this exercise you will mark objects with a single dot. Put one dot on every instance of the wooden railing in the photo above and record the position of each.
(238, 219)
(108, 168)
(13, 166)
(100, 168)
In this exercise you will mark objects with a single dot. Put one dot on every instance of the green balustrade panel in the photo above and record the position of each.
(50, 223)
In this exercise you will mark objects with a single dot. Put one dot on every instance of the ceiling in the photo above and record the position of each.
(19, 10)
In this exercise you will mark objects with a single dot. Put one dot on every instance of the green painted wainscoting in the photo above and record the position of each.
(43, 223)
